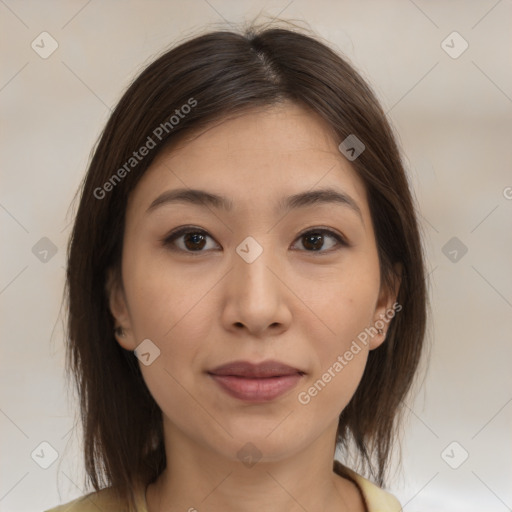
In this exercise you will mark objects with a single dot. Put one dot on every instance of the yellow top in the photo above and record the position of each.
(375, 499)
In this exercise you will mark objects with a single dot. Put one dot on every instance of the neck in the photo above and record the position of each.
(197, 478)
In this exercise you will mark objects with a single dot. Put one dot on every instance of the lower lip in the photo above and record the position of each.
(257, 390)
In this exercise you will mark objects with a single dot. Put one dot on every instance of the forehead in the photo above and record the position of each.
(261, 155)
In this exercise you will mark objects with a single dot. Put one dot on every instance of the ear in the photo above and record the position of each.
(118, 307)
(386, 307)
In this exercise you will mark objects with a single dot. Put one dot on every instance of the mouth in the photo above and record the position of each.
(261, 382)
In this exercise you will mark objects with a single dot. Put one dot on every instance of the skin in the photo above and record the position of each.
(293, 304)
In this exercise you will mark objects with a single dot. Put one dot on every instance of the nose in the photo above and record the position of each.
(256, 296)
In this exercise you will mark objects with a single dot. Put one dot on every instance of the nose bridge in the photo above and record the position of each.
(255, 290)
(251, 268)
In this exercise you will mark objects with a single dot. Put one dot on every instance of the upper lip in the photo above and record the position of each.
(261, 370)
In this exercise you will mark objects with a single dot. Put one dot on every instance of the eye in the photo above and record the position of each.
(190, 239)
(314, 240)
(194, 239)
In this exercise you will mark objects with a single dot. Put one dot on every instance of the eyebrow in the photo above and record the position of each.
(301, 200)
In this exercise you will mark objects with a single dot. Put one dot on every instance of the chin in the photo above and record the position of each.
(270, 440)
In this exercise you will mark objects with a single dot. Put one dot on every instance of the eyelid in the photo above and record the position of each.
(339, 237)
(168, 239)
(180, 231)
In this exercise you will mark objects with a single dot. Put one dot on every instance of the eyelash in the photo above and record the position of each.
(179, 232)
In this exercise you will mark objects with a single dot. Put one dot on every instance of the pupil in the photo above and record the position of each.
(317, 242)
(314, 242)
(196, 238)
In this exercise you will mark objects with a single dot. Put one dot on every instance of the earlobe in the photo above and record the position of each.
(387, 307)
(117, 304)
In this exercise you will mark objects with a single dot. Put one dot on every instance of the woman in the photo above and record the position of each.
(246, 284)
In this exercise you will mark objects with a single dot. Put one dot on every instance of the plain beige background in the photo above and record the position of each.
(452, 110)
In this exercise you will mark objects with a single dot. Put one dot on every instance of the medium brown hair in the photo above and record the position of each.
(226, 74)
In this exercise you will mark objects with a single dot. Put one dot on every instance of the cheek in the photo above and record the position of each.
(164, 300)
(343, 306)
(177, 311)
(329, 391)
(340, 303)
(339, 353)
(172, 311)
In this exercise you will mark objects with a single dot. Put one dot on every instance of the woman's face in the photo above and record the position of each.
(268, 273)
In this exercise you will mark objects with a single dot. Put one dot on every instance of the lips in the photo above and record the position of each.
(256, 382)
(262, 370)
